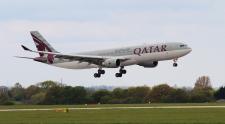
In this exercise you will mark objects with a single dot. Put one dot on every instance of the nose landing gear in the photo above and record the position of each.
(175, 63)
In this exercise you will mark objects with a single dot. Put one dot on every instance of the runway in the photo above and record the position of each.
(114, 108)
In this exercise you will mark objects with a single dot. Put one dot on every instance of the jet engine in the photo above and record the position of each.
(149, 64)
(111, 63)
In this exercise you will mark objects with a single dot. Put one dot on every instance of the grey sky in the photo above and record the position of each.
(75, 25)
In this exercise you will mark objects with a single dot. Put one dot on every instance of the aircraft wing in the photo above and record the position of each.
(81, 58)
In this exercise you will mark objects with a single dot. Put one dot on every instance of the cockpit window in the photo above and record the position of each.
(183, 45)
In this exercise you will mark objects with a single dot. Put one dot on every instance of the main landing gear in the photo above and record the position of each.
(99, 73)
(121, 72)
(175, 63)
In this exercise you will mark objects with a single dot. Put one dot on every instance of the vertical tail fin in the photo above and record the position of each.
(41, 43)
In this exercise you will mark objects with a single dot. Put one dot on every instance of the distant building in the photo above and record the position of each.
(4, 90)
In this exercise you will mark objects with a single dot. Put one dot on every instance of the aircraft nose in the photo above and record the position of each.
(189, 49)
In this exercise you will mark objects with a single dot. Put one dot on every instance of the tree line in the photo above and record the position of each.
(50, 92)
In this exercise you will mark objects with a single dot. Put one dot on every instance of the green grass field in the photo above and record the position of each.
(116, 116)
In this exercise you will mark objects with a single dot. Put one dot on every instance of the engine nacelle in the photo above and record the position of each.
(149, 64)
(111, 63)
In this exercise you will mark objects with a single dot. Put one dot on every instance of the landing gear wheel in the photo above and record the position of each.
(118, 75)
(175, 64)
(123, 71)
(97, 75)
(101, 71)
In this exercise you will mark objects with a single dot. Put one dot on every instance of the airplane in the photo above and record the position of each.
(147, 55)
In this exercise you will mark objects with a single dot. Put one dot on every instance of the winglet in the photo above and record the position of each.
(25, 48)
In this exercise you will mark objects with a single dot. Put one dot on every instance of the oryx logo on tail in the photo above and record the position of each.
(43, 45)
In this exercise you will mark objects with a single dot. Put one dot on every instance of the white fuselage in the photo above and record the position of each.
(135, 55)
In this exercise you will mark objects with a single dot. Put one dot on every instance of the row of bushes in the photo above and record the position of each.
(50, 92)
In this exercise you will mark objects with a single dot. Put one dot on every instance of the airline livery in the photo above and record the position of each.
(144, 55)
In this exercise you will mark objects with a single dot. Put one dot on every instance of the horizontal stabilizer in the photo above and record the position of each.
(25, 48)
(23, 57)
